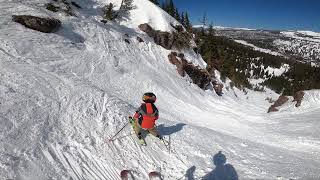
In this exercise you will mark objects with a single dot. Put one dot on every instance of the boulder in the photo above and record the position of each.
(46, 25)
(147, 29)
(298, 96)
(279, 102)
(104, 21)
(127, 41)
(139, 39)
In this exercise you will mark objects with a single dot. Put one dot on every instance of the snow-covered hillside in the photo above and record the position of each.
(62, 95)
(303, 43)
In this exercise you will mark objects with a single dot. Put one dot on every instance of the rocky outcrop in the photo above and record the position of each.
(46, 25)
(199, 76)
(167, 40)
(173, 59)
(281, 100)
(127, 41)
(62, 6)
(298, 97)
(163, 39)
(147, 29)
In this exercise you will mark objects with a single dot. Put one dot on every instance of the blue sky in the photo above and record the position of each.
(264, 14)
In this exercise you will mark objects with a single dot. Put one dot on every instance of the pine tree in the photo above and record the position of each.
(125, 8)
(156, 2)
(108, 12)
(171, 8)
(203, 22)
(177, 15)
(165, 5)
(182, 19)
(211, 30)
(188, 25)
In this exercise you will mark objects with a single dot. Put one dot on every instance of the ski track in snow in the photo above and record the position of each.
(62, 95)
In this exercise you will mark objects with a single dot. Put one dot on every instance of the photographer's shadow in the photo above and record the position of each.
(222, 171)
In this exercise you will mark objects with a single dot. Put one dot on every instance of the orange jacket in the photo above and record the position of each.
(147, 114)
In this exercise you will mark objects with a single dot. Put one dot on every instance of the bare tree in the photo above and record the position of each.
(204, 22)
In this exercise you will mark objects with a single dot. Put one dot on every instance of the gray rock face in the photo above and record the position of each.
(46, 25)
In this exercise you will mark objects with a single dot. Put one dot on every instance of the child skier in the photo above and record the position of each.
(145, 117)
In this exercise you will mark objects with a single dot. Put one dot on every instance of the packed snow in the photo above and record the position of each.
(62, 95)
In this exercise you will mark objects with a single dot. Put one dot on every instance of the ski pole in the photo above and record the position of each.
(111, 139)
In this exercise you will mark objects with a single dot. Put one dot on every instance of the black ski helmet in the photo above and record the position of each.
(219, 159)
(149, 97)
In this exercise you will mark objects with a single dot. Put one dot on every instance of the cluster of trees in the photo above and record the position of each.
(239, 63)
(170, 8)
(109, 12)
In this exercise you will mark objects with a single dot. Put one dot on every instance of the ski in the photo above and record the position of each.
(155, 175)
(126, 175)
(142, 141)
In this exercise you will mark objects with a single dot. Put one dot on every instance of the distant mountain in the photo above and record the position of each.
(298, 45)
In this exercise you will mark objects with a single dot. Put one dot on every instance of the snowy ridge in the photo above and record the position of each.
(63, 95)
(225, 28)
(258, 49)
(147, 12)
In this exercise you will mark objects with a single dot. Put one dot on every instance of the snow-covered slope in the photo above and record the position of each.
(63, 95)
